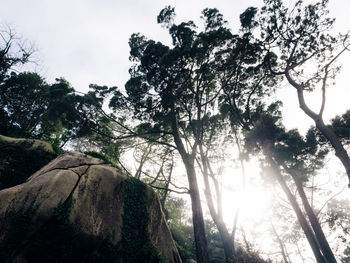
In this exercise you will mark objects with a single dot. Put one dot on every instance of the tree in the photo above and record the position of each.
(299, 47)
(172, 89)
(211, 151)
(32, 108)
(299, 158)
(13, 51)
(245, 109)
(338, 219)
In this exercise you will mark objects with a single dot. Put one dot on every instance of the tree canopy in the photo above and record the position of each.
(196, 103)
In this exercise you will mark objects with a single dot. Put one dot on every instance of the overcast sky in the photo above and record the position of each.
(86, 41)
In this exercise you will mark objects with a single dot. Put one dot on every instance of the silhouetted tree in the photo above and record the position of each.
(299, 47)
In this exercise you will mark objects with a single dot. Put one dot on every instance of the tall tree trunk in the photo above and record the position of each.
(197, 213)
(235, 220)
(143, 159)
(166, 190)
(321, 238)
(216, 216)
(301, 218)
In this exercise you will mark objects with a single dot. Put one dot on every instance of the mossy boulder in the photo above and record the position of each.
(20, 158)
(80, 209)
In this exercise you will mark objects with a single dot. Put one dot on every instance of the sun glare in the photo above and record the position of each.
(253, 200)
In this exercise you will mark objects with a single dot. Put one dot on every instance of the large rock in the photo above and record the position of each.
(79, 209)
(19, 158)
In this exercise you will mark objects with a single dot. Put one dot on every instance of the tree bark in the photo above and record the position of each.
(197, 213)
(235, 220)
(301, 218)
(216, 216)
(340, 151)
(321, 238)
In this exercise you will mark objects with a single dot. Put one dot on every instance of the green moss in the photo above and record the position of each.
(56, 146)
(105, 158)
(59, 241)
(135, 244)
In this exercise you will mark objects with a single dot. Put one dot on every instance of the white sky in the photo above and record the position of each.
(86, 41)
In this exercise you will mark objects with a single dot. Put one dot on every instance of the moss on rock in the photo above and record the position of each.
(105, 158)
(78, 209)
(136, 245)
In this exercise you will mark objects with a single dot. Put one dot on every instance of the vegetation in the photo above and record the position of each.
(135, 245)
(208, 95)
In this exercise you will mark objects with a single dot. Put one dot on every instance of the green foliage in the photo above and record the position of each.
(300, 34)
(247, 18)
(31, 108)
(135, 245)
(163, 79)
(56, 142)
(184, 240)
(242, 255)
(302, 154)
(338, 219)
(105, 158)
(57, 240)
(213, 18)
(346, 257)
(266, 129)
(166, 16)
(341, 127)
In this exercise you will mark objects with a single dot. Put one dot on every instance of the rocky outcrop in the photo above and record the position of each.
(79, 209)
(19, 158)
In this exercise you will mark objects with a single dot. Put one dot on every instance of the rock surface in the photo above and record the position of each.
(79, 209)
(19, 158)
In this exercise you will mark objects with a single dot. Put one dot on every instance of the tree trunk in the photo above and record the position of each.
(216, 215)
(235, 220)
(197, 213)
(224, 234)
(301, 218)
(324, 245)
(340, 151)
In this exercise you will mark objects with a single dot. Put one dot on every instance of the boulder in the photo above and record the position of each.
(19, 158)
(80, 209)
